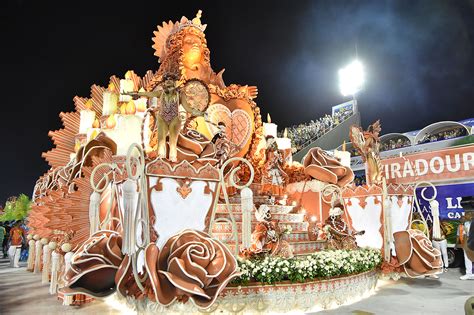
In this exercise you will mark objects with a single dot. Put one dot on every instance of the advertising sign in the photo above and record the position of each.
(450, 209)
(440, 165)
(449, 198)
(347, 106)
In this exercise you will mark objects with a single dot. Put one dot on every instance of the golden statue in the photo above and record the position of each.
(368, 145)
(182, 51)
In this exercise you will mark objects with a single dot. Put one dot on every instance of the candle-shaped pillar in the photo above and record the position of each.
(79, 141)
(130, 108)
(126, 85)
(110, 128)
(141, 104)
(72, 157)
(343, 156)
(269, 128)
(128, 129)
(284, 145)
(130, 133)
(87, 118)
(110, 99)
(111, 122)
(285, 142)
(94, 131)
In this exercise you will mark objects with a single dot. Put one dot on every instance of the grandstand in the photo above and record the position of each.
(331, 130)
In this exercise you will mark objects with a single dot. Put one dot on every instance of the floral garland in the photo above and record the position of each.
(323, 264)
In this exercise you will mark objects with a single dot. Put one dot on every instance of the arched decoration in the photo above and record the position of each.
(435, 128)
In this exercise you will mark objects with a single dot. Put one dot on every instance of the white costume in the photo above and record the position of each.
(14, 254)
(438, 240)
(467, 262)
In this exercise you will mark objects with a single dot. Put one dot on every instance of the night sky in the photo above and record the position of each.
(418, 55)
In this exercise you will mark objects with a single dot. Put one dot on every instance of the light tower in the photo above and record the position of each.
(351, 79)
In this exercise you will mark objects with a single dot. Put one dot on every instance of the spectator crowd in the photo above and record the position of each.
(394, 144)
(444, 135)
(398, 143)
(353, 151)
(301, 135)
(360, 180)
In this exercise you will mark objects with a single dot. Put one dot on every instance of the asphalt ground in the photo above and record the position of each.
(21, 292)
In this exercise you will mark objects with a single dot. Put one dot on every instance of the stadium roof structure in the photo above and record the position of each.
(438, 127)
(468, 123)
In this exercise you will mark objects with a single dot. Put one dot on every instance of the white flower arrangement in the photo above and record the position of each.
(320, 265)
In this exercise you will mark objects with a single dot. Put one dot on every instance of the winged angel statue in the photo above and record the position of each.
(368, 145)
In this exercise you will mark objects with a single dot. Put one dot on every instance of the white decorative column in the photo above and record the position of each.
(38, 250)
(46, 263)
(246, 196)
(86, 121)
(344, 157)
(31, 253)
(130, 196)
(55, 262)
(434, 205)
(110, 100)
(94, 217)
(387, 225)
(269, 128)
(388, 234)
(126, 86)
(68, 299)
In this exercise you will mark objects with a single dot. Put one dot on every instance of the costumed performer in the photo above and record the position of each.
(463, 235)
(16, 239)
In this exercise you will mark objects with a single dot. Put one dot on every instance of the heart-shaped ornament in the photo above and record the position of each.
(238, 123)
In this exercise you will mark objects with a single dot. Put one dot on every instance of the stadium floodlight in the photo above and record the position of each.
(351, 78)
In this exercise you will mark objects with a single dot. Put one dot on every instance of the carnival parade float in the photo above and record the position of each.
(169, 193)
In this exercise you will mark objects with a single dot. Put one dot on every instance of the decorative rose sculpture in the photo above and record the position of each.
(191, 265)
(319, 165)
(193, 147)
(416, 253)
(94, 265)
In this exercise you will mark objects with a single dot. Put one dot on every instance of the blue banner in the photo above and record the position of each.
(344, 107)
(449, 198)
